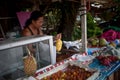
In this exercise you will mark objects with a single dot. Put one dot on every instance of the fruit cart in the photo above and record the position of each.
(101, 72)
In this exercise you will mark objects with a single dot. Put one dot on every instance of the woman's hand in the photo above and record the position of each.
(58, 36)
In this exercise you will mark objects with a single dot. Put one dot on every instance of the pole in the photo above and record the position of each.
(83, 26)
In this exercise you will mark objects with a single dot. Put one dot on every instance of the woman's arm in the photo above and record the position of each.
(58, 36)
(26, 33)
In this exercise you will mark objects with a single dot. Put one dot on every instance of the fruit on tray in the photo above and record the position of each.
(102, 42)
(94, 42)
(58, 45)
(112, 44)
(70, 73)
(113, 58)
(100, 57)
(107, 60)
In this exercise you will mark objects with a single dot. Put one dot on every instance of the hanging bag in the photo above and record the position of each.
(30, 64)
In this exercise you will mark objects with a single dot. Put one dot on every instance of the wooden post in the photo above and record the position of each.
(83, 26)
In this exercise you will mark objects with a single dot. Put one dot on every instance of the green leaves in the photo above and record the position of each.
(92, 28)
(76, 33)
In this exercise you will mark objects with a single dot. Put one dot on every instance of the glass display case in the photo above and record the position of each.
(13, 50)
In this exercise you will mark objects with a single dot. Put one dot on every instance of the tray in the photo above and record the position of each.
(51, 69)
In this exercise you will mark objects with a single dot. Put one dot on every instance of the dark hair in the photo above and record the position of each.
(34, 16)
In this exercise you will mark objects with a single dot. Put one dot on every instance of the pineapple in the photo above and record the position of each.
(30, 65)
(58, 45)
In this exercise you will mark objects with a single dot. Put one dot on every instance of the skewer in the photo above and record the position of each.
(1, 29)
(28, 50)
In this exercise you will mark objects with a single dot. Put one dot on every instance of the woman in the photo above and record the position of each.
(33, 27)
(34, 24)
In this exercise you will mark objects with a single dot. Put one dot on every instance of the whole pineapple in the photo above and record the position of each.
(30, 64)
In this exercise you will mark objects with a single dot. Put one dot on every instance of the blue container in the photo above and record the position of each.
(91, 50)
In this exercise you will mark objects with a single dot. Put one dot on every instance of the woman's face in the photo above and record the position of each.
(38, 23)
